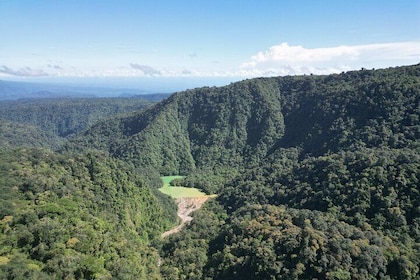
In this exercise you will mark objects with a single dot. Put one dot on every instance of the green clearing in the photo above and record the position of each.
(177, 192)
(168, 179)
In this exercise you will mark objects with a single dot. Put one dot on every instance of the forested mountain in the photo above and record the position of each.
(49, 122)
(78, 217)
(336, 198)
(201, 128)
(345, 146)
(241, 124)
(316, 176)
(15, 134)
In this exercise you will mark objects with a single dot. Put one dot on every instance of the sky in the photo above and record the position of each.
(223, 40)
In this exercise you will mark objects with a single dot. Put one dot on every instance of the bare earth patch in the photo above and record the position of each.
(186, 205)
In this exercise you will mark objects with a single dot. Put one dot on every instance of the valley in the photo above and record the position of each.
(316, 176)
(179, 191)
(186, 206)
(187, 200)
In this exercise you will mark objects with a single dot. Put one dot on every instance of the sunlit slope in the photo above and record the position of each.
(240, 125)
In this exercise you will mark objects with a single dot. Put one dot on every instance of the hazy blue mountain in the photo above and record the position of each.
(12, 90)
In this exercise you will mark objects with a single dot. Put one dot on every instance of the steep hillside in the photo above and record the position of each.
(202, 128)
(64, 117)
(241, 124)
(337, 198)
(13, 135)
(367, 108)
(317, 177)
(49, 123)
(77, 217)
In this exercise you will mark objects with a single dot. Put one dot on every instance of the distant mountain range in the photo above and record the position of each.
(11, 90)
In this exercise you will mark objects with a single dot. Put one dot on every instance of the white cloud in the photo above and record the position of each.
(279, 60)
(23, 72)
(284, 59)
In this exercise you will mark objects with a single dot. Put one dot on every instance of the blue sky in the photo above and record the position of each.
(198, 38)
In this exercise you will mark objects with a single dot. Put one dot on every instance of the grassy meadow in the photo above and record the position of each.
(177, 192)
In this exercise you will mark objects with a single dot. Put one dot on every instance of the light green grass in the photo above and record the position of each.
(168, 179)
(177, 192)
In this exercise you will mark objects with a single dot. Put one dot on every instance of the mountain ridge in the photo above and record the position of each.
(18, 90)
(246, 121)
(316, 176)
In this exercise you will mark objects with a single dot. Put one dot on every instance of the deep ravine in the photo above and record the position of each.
(186, 205)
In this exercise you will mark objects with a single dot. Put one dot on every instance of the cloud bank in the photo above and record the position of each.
(23, 72)
(284, 59)
(279, 60)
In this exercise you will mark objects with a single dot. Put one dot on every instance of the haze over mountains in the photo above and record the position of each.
(10, 90)
(100, 87)
(316, 176)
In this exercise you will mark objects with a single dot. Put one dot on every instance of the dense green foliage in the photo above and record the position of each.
(369, 188)
(241, 124)
(337, 198)
(317, 177)
(368, 108)
(25, 135)
(76, 217)
(270, 242)
(49, 121)
(212, 128)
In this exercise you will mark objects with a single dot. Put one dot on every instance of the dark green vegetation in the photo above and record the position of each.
(206, 128)
(242, 124)
(49, 122)
(77, 217)
(336, 197)
(15, 134)
(317, 176)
